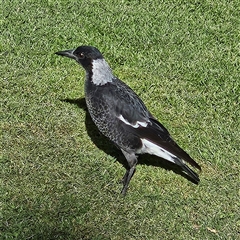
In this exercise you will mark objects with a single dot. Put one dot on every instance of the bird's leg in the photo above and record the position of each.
(132, 162)
(127, 179)
(124, 179)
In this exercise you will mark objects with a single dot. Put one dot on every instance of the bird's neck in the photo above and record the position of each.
(101, 73)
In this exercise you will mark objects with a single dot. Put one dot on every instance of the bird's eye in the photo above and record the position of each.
(81, 55)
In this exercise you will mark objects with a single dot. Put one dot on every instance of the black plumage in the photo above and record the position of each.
(122, 116)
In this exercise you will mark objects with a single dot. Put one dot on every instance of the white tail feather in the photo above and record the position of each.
(153, 149)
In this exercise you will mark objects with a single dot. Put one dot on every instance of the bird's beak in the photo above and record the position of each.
(67, 53)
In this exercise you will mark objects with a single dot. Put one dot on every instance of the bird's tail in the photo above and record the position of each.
(194, 176)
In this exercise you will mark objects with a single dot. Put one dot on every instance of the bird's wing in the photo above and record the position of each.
(125, 102)
(133, 113)
(154, 133)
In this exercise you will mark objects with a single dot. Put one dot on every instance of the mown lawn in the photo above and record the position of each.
(60, 177)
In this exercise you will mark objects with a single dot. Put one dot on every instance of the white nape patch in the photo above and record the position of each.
(153, 149)
(102, 73)
(136, 125)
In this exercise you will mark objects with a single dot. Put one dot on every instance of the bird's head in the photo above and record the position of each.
(84, 55)
(97, 69)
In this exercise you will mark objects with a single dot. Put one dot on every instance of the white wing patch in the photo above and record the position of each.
(136, 125)
(102, 73)
(153, 149)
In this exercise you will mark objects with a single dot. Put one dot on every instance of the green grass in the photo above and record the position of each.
(57, 182)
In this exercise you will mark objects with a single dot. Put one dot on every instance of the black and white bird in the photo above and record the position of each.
(122, 116)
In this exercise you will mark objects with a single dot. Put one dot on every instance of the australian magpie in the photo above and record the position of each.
(122, 116)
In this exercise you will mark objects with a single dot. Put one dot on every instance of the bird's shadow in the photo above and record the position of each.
(109, 148)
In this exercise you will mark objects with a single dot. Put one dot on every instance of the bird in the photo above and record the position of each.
(120, 115)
